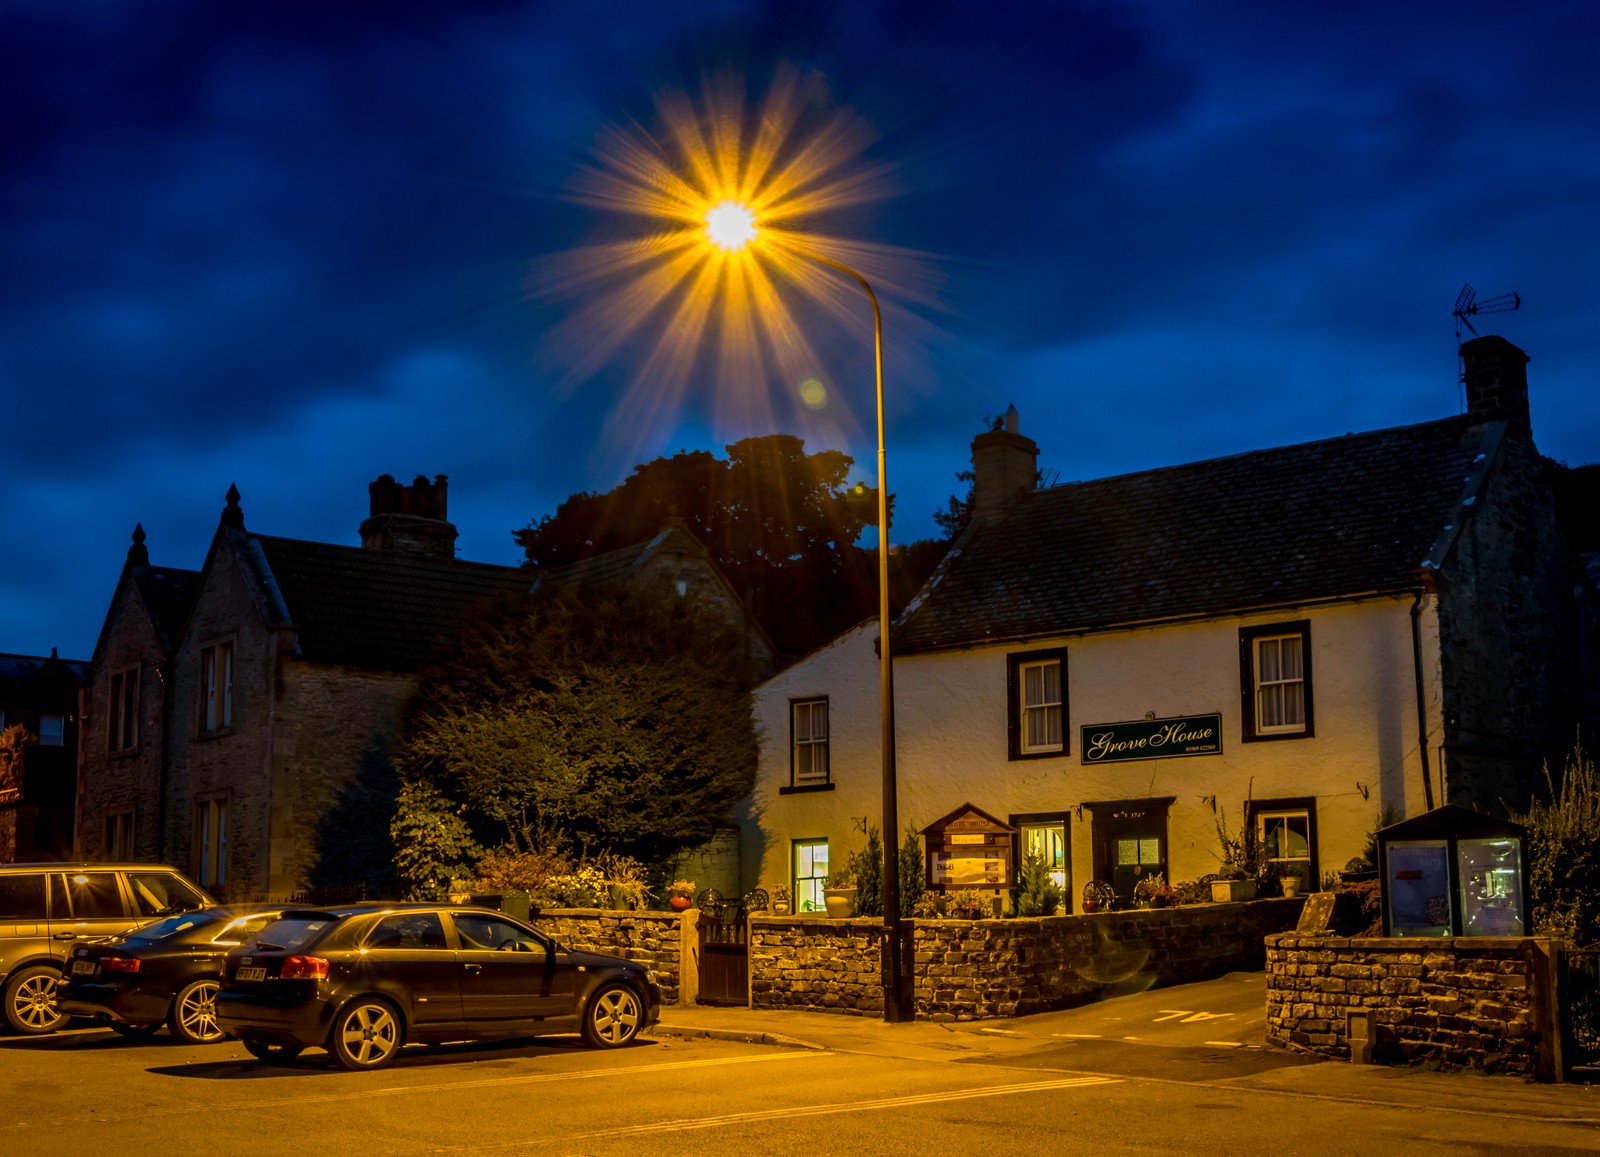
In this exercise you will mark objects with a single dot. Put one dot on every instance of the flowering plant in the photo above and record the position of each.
(684, 888)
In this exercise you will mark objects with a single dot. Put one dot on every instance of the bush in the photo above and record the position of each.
(1563, 867)
(868, 867)
(911, 872)
(1037, 894)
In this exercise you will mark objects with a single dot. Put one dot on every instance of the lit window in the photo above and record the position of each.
(1038, 703)
(216, 687)
(810, 875)
(809, 725)
(1276, 680)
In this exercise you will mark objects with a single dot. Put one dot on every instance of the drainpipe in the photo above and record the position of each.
(1422, 702)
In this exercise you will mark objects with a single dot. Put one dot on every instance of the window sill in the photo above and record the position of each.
(1059, 753)
(802, 788)
(1274, 736)
(215, 734)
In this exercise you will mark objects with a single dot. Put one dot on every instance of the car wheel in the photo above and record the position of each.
(613, 1017)
(193, 1018)
(134, 1031)
(271, 1054)
(366, 1035)
(30, 1001)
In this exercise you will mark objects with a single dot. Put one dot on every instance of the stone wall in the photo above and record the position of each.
(654, 939)
(980, 969)
(1460, 1002)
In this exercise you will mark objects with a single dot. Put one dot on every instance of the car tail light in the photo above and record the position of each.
(304, 968)
(120, 963)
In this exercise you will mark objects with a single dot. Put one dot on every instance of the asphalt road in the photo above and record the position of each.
(1170, 1071)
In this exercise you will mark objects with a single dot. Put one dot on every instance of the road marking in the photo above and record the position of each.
(1001, 1031)
(1224, 1044)
(1189, 1015)
(1199, 1016)
(687, 1124)
(1174, 1013)
(1078, 1035)
(448, 1086)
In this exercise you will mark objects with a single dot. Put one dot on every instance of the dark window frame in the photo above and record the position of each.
(1248, 728)
(1014, 664)
(795, 787)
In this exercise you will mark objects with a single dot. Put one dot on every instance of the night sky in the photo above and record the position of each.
(294, 246)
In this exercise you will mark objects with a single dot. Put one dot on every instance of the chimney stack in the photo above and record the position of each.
(1495, 373)
(1005, 465)
(410, 519)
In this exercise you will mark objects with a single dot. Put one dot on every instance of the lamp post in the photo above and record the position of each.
(731, 226)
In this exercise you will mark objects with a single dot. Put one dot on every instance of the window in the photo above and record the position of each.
(408, 931)
(156, 892)
(211, 843)
(94, 896)
(1036, 688)
(52, 729)
(480, 931)
(22, 898)
(117, 843)
(1275, 681)
(1045, 836)
(808, 764)
(216, 688)
(1286, 833)
(810, 875)
(122, 728)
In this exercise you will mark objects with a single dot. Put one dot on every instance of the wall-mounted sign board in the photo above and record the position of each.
(1152, 739)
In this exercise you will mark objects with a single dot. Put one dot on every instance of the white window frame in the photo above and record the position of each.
(211, 842)
(52, 736)
(810, 763)
(122, 714)
(1262, 817)
(1273, 696)
(808, 889)
(1032, 703)
(216, 688)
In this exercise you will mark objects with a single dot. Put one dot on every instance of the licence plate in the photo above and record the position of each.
(82, 967)
(249, 974)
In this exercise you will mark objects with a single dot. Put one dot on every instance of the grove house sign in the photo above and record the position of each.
(1152, 739)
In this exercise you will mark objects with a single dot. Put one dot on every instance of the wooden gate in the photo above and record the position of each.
(1579, 989)
(725, 946)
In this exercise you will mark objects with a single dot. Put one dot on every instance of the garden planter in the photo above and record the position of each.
(841, 902)
(1291, 886)
(679, 903)
(1231, 891)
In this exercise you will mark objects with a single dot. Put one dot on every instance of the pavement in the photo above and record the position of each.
(1208, 1033)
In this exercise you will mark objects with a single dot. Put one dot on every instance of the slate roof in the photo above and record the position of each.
(1340, 517)
(379, 610)
(168, 593)
(22, 669)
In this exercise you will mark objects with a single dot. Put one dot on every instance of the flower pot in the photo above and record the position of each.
(679, 903)
(1158, 901)
(841, 902)
(1091, 905)
(1291, 886)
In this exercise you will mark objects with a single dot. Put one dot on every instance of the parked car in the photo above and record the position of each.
(45, 909)
(165, 972)
(363, 981)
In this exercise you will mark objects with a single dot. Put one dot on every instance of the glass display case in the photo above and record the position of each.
(1453, 872)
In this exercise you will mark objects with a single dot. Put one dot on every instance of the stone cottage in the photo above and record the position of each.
(38, 759)
(1281, 642)
(239, 718)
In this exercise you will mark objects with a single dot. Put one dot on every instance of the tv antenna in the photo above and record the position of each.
(1468, 306)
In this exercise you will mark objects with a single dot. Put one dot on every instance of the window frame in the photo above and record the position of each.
(826, 744)
(1062, 820)
(1016, 710)
(1250, 730)
(1259, 809)
(116, 832)
(122, 711)
(794, 871)
(211, 842)
(216, 705)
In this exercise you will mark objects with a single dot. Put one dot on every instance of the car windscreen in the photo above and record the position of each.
(291, 933)
(159, 893)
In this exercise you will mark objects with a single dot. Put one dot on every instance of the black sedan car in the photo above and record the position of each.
(363, 981)
(165, 972)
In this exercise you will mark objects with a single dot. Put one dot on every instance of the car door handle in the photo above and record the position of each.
(65, 936)
(473, 967)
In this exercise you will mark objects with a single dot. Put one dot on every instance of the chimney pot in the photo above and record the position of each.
(1005, 465)
(409, 519)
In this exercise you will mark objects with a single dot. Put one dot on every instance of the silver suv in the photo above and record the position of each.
(46, 908)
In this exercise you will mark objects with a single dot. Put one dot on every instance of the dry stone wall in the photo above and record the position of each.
(1460, 1002)
(653, 939)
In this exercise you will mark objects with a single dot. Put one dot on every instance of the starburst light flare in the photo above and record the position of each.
(722, 207)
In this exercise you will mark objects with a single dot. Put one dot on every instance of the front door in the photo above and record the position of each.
(1130, 841)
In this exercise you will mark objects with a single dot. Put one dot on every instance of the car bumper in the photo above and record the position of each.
(290, 1018)
(122, 1005)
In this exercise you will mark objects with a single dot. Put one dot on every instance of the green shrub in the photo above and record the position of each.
(868, 865)
(1037, 894)
(1563, 867)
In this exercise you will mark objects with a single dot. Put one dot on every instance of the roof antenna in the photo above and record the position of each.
(1467, 307)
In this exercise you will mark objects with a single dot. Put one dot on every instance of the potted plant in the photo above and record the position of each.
(680, 895)
(780, 900)
(840, 894)
(1097, 896)
(1291, 885)
(969, 905)
(1152, 891)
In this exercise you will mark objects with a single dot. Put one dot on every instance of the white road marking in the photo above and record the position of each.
(1001, 1031)
(1199, 1016)
(1225, 1044)
(1078, 1035)
(1174, 1013)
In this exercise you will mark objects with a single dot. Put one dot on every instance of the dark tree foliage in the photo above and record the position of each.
(353, 840)
(782, 525)
(1577, 496)
(592, 721)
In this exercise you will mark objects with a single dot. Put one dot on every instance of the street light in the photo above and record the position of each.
(731, 225)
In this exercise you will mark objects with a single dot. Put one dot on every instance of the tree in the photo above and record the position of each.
(602, 720)
(782, 525)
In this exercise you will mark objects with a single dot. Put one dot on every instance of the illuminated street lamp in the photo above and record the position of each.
(731, 226)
